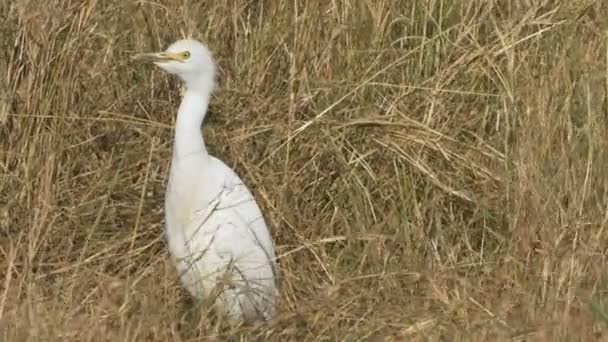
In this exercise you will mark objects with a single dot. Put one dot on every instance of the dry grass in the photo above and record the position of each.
(431, 170)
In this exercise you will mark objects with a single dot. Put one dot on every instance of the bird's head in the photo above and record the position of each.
(188, 59)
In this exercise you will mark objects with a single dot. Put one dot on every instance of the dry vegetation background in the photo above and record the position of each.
(431, 170)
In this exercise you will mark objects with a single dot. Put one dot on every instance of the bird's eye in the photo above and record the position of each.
(186, 54)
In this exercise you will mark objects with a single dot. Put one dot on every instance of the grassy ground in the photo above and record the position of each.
(431, 170)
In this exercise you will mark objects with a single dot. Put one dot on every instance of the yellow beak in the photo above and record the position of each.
(158, 57)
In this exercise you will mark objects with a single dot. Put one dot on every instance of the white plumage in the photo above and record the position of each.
(215, 230)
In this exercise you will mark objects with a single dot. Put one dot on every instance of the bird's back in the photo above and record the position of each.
(219, 238)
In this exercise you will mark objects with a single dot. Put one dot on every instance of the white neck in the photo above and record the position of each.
(192, 110)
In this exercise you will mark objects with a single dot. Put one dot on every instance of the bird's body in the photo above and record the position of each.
(216, 232)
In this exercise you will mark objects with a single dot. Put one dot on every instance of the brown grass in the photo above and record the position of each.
(430, 170)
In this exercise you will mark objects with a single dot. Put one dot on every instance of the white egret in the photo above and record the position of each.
(216, 233)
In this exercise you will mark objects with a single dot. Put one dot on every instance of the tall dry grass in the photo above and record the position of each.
(431, 170)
